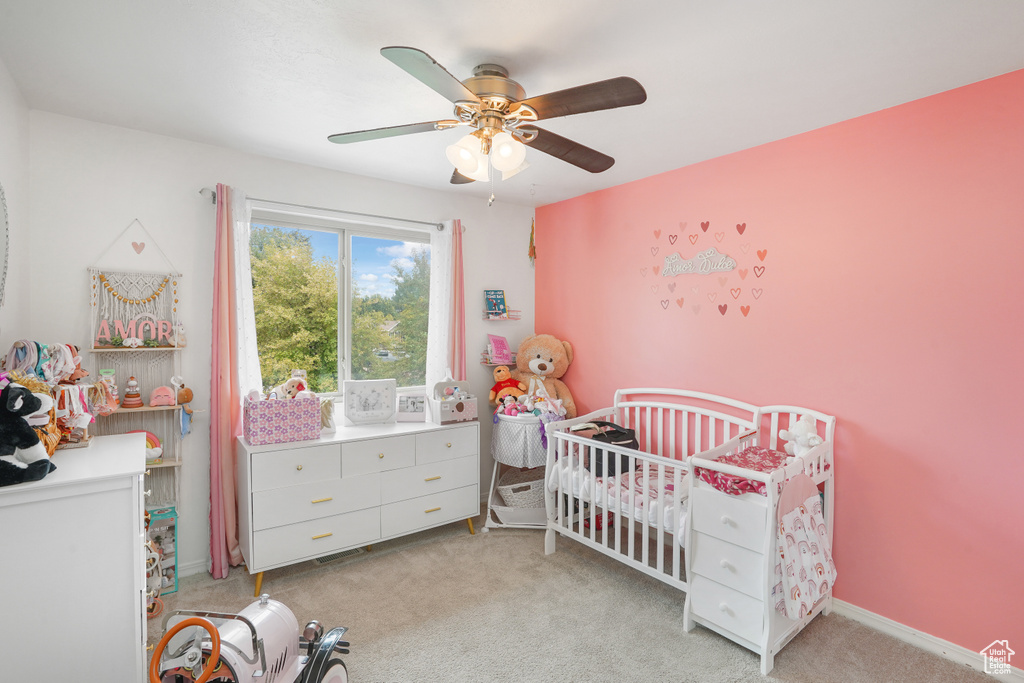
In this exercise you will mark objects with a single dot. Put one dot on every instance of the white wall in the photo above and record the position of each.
(14, 160)
(89, 181)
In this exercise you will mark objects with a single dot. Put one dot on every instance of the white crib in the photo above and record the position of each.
(728, 573)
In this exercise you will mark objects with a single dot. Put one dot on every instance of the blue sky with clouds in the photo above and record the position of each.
(372, 259)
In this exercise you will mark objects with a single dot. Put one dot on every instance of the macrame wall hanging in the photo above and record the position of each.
(135, 308)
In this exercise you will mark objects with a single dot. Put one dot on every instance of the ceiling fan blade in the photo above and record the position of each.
(615, 92)
(377, 133)
(425, 69)
(568, 151)
(459, 179)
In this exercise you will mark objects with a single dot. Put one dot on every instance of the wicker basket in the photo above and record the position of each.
(522, 488)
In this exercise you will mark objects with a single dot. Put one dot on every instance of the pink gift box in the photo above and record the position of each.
(280, 421)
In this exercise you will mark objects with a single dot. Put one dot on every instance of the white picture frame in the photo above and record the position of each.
(370, 401)
(412, 407)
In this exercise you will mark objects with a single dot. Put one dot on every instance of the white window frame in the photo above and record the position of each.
(346, 224)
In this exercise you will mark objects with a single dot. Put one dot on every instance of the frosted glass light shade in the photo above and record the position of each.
(507, 153)
(466, 156)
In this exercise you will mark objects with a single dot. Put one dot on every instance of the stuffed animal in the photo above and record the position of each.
(505, 385)
(289, 389)
(540, 363)
(22, 455)
(801, 436)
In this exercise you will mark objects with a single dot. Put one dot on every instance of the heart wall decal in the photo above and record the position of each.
(138, 247)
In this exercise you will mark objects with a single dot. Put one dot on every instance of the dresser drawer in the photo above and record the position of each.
(377, 455)
(272, 469)
(422, 480)
(294, 542)
(447, 444)
(728, 564)
(718, 514)
(290, 504)
(733, 611)
(427, 511)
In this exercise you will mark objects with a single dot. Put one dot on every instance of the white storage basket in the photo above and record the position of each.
(522, 488)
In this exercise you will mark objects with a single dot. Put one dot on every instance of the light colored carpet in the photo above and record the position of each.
(444, 606)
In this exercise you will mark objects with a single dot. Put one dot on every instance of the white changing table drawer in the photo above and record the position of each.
(287, 544)
(290, 504)
(735, 612)
(377, 455)
(427, 511)
(271, 469)
(728, 564)
(422, 480)
(730, 518)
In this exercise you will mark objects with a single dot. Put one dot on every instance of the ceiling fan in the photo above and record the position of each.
(497, 107)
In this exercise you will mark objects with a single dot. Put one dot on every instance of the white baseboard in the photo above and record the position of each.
(190, 568)
(925, 641)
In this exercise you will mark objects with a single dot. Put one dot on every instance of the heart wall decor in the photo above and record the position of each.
(138, 247)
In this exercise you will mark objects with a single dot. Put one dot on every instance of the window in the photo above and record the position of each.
(338, 299)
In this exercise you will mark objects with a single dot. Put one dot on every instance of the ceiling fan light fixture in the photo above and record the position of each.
(507, 153)
(505, 175)
(466, 156)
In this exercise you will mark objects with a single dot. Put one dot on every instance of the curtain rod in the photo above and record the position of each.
(207, 191)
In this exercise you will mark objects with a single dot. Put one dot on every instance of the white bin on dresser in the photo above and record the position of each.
(360, 485)
(72, 568)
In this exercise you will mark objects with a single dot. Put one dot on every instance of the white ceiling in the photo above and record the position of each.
(276, 78)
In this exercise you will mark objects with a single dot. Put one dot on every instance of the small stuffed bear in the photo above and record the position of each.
(22, 455)
(505, 385)
(540, 361)
(288, 389)
(802, 436)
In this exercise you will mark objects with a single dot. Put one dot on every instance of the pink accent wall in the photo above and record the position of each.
(892, 296)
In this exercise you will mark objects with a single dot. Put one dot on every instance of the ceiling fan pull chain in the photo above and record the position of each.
(491, 174)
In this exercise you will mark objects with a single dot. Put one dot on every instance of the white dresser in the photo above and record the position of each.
(302, 500)
(72, 569)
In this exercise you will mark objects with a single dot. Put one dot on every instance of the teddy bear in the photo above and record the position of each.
(801, 436)
(22, 455)
(540, 363)
(289, 389)
(505, 385)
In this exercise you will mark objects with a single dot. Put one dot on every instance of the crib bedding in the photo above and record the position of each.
(631, 494)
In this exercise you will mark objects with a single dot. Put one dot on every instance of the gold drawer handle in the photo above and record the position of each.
(432, 510)
(433, 478)
(449, 444)
(321, 500)
(380, 455)
(323, 535)
(298, 467)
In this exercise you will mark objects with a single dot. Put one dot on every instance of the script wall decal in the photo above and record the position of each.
(731, 255)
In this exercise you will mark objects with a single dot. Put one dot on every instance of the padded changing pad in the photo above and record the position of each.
(757, 458)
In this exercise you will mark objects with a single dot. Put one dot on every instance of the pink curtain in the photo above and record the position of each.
(457, 333)
(225, 398)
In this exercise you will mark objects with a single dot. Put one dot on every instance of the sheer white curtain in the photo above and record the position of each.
(446, 331)
(439, 321)
(249, 375)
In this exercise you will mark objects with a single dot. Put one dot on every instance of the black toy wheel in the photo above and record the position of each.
(323, 666)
